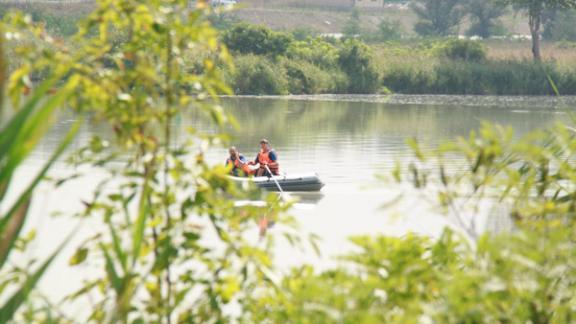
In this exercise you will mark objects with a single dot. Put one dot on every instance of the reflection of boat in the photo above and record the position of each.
(295, 182)
(311, 198)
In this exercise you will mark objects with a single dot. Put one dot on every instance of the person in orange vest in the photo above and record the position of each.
(267, 157)
(240, 168)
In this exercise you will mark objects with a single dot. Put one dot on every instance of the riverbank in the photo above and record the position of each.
(282, 65)
(526, 103)
(505, 69)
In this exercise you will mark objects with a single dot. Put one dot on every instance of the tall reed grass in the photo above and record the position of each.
(492, 77)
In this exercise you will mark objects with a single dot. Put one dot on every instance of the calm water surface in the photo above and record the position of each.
(347, 140)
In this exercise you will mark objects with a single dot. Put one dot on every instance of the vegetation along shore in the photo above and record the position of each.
(386, 58)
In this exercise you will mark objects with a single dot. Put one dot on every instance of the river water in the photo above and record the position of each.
(347, 140)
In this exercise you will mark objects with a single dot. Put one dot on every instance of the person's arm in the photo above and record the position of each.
(241, 159)
(274, 159)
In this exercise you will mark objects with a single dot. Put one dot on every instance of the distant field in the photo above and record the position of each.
(422, 56)
(321, 20)
(285, 14)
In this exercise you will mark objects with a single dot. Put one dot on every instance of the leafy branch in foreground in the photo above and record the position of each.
(18, 138)
(522, 276)
(171, 244)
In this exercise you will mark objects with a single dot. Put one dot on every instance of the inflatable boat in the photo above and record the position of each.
(293, 182)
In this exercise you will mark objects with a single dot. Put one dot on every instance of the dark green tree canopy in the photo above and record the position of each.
(484, 17)
(437, 17)
(259, 40)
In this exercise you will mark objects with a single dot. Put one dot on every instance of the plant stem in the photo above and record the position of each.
(167, 136)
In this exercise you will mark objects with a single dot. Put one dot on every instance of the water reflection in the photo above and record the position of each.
(346, 142)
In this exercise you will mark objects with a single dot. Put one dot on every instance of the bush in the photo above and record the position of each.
(567, 84)
(304, 33)
(465, 50)
(259, 40)
(257, 75)
(306, 78)
(482, 78)
(409, 80)
(355, 59)
(316, 51)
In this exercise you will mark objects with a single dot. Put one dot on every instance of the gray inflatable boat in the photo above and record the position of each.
(295, 182)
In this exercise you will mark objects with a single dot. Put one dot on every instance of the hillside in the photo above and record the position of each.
(316, 15)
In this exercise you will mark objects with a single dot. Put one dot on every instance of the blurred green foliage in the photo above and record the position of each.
(169, 244)
(525, 275)
(19, 136)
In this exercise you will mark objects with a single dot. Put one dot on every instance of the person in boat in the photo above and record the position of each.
(267, 158)
(240, 167)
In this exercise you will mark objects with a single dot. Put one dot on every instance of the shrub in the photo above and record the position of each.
(567, 83)
(465, 50)
(482, 78)
(306, 78)
(259, 40)
(316, 51)
(257, 75)
(408, 80)
(390, 30)
(304, 33)
(355, 59)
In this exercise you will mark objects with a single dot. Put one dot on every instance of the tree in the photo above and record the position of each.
(484, 15)
(355, 59)
(535, 10)
(389, 30)
(259, 40)
(352, 27)
(437, 17)
(559, 26)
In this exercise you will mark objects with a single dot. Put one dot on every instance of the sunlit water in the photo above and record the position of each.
(347, 140)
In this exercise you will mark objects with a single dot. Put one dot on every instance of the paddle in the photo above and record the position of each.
(275, 181)
(264, 220)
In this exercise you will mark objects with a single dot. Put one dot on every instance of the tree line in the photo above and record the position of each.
(442, 18)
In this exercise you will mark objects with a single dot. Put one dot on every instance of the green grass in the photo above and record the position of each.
(416, 67)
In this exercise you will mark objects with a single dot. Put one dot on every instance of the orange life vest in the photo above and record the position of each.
(264, 158)
(245, 168)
